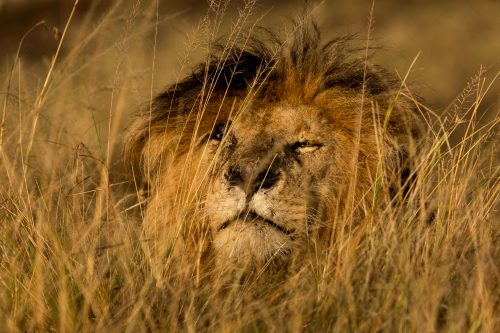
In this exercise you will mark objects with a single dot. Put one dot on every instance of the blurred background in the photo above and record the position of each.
(455, 37)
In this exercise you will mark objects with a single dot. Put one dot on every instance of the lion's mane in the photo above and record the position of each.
(369, 107)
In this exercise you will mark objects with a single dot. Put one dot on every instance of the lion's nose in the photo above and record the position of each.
(252, 180)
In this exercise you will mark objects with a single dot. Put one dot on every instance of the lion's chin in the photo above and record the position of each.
(251, 243)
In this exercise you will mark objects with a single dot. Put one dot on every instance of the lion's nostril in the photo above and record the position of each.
(267, 179)
(233, 176)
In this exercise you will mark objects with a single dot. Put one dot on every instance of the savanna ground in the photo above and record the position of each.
(70, 254)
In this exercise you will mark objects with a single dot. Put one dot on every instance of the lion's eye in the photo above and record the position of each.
(218, 132)
(303, 147)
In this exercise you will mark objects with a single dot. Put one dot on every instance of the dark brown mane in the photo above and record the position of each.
(276, 62)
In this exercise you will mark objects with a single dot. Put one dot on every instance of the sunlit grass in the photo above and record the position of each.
(71, 254)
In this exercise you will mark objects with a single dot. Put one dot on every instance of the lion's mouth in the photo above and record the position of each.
(252, 217)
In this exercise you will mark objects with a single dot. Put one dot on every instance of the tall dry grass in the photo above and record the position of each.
(70, 241)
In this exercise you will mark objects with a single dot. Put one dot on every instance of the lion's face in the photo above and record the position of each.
(271, 169)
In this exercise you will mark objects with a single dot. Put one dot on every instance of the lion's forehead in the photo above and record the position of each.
(281, 121)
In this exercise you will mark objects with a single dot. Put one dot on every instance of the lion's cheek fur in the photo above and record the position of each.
(223, 204)
(173, 210)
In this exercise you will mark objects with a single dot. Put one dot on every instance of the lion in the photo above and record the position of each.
(266, 145)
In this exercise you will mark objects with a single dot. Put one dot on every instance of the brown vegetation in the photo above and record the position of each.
(72, 254)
